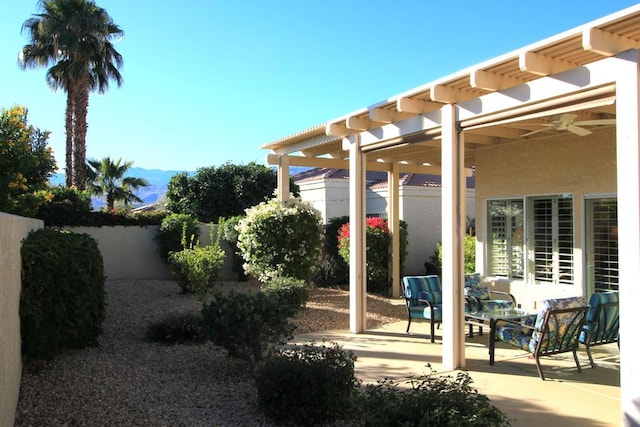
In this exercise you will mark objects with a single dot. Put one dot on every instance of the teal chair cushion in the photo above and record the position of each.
(425, 288)
(602, 324)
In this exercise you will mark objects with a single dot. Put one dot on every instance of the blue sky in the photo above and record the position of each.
(208, 82)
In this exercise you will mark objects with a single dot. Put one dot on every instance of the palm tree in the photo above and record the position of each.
(74, 37)
(107, 179)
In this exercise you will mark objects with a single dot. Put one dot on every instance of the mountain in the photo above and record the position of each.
(158, 180)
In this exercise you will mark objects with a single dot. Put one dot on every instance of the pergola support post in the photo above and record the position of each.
(453, 223)
(393, 179)
(628, 177)
(283, 178)
(357, 236)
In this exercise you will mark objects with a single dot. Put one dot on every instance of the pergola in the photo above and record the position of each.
(590, 71)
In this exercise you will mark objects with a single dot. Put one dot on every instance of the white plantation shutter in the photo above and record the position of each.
(551, 242)
(602, 244)
(505, 246)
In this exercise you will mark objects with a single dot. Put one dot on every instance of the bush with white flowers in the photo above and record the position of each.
(281, 239)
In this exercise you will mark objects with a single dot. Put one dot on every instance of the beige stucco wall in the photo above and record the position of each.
(13, 229)
(329, 196)
(580, 166)
(420, 207)
(131, 252)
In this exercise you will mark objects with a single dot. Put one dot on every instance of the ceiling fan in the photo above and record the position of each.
(567, 122)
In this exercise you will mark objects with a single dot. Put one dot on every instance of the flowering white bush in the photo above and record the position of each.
(280, 239)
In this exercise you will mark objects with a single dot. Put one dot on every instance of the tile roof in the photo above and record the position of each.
(376, 179)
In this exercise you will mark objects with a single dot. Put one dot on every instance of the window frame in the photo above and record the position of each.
(590, 252)
(509, 236)
(561, 238)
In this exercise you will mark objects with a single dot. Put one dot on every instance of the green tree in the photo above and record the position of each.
(107, 179)
(25, 161)
(74, 37)
(222, 192)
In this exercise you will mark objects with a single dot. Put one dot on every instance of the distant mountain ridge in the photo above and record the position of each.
(158, 180)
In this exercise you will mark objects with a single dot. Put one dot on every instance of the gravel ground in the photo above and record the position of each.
(127, 381)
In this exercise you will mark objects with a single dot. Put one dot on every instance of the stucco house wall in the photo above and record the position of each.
(329, 196)
(13, 229)
(580, 166)
(420, 207)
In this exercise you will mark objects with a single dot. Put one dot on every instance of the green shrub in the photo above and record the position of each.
(335, 271)
(62, 303)
(281, 239)
(469, 255)
(307, 385)
(289, 291)
(431, 400)
(378, 251)
(247, 325)
(65, 206)
(170, 232)
(197, 268)
(178, 329)
(230, 235)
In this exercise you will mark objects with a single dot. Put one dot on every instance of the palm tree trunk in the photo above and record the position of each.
(80, 133)
(68, 127)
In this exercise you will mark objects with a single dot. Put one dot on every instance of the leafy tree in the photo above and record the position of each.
(222, 192)
(74, 37)
(107, 179)
(25, 161)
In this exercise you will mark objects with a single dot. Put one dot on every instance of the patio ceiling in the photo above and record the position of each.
(321, 146)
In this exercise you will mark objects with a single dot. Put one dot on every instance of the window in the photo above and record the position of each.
(539, 238)
(551, 244)
(506, 243)
(602, 244)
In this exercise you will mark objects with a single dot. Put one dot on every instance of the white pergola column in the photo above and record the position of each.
(357, 236)
(283, 178)
(393, 179)
(453, 223)
(628, 176)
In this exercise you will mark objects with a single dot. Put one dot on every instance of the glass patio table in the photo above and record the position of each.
(489, 318)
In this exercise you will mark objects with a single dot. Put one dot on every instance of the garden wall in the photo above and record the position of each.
(130, 253)
(13, 229)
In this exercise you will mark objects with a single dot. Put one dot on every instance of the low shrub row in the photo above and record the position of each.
(311, 384)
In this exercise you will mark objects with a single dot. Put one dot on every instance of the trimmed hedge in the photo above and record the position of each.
(62, 303)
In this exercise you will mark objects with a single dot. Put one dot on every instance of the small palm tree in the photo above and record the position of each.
(106, 178)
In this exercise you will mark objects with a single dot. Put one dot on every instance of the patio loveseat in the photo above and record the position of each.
(555, 329)
(479, 296)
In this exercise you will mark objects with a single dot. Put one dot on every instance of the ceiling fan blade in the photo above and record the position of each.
(534, 132)
(578, 130)
(567, 118)
(596, 122)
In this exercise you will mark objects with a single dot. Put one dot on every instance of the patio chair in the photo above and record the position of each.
(423, 295)
(602, 325)
(555, 329)
(479, 296)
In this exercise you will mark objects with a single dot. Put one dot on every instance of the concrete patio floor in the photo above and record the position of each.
(565, 398)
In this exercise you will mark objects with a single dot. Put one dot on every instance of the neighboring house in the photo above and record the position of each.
(552, 132)
(327, 189)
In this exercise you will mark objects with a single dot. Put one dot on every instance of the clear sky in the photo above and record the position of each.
(210, 81)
